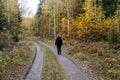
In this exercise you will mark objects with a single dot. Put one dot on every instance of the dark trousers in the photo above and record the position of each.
(59, 50)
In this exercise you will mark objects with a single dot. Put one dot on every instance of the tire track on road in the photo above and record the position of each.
(36, 69)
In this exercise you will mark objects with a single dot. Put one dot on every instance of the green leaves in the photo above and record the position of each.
(109, 7)
(113, 37)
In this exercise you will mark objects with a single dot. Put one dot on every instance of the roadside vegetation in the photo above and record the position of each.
(101, 57)
(52, 70)
(16, 52)
(15, 61)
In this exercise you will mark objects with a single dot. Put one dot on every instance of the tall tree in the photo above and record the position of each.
(14, 18)
(2, 15)
(109, 7)
(51, 10)
(38, 14)
(118, 14)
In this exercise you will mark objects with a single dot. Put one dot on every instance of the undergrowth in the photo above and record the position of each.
(13, 62)
(103, 58)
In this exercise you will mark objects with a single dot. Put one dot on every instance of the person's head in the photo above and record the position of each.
(59, 35)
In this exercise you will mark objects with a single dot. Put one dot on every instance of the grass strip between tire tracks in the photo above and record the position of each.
(52, 70)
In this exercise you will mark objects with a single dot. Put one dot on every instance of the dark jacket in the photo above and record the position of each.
(58, 41)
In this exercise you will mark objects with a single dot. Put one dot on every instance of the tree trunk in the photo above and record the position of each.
(49, 25)
(8, 14)
(54, 23)
(118, 16)
(95, 12)
(68, 15)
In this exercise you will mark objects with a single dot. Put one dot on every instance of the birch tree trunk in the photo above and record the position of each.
(49, 25)
(54, 22)
(8, 20)
(95, 12)
(68, 16)
(118, 16)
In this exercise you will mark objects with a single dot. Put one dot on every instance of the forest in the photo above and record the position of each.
(90, 30)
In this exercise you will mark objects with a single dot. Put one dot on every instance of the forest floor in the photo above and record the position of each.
(15, 60)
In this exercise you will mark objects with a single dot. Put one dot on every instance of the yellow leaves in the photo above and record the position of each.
(107, 64)
(114, 60)
(81, 56)
(112, 66)
(14, 6)
(64, 26)
(45, 9)
(88, 26)
(20, 51)
(89, 9)
(14, 63)
(48, 6)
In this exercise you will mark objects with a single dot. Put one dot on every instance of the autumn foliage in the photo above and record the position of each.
(90, 26)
